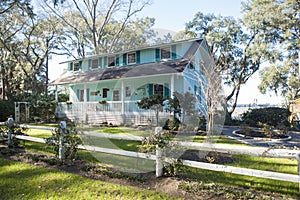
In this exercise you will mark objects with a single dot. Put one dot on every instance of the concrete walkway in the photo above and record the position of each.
(293, 143)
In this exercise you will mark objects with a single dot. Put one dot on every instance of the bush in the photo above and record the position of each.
(71, 140)
(272, 116)
(7, 109)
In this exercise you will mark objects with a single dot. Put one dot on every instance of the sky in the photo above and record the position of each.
(172, 15)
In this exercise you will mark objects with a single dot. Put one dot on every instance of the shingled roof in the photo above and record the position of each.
(147, 69)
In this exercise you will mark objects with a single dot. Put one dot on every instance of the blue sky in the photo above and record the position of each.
(173, 14)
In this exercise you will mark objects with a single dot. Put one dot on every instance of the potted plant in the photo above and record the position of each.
(102, 102)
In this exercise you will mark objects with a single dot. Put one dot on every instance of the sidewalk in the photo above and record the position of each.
(293, 143)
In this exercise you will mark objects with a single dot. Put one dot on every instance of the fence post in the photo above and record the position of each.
(159, 163)
(298, 158)
(10, 122)
(61, 153)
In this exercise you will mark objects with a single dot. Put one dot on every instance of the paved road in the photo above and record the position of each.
(294, 142)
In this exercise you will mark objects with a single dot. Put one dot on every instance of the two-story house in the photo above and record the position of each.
(105, 88)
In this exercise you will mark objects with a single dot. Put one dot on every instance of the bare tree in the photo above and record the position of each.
(98, 24)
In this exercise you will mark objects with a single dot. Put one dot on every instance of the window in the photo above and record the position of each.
(165, 53)
(94, 93)
(76, 66)
(127, 91)
(94, 64)
(104, 92)
(81, 98)
(116, 95)
(131, 58)
(111, 61)
(159, 89)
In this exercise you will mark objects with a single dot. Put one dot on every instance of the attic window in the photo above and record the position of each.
(131, 57)
(111, 60)
(165, 53)
(76, 66)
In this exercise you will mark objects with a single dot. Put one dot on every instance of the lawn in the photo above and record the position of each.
(23, 181)
(204, 176)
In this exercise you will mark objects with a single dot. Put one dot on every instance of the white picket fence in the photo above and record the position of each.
(223, 148)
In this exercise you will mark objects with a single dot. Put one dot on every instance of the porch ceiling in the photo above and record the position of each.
(168, 67)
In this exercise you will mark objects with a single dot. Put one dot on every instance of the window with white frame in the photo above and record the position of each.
(159, 89)
(127, 91)
(111, 61)
(76, 66)
(165, 53)
(131, 58)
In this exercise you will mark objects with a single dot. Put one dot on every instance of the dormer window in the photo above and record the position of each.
(95, 64)
(131, 58)
(111, 61)
(165, 53)
(76, 66)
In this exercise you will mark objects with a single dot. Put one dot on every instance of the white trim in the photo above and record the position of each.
(128, 58)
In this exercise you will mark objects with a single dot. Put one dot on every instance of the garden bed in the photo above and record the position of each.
(259, 134)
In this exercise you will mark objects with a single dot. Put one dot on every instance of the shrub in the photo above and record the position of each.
(15, 129)
(272, 116)
(71, 140)
(7, 109)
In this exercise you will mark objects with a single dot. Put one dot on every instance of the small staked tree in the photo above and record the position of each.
(153, 102)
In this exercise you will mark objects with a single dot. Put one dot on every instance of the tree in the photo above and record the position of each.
(237, 53)
(279, 20)
(13, 18)
(100, 25)
(153, 102)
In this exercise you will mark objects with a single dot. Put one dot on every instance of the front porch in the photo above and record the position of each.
(114, 112)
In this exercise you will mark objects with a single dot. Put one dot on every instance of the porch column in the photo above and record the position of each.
(84, 93)
(172, 86)
(56, 93)
(123, 102)
(84, 104)
(123, 97)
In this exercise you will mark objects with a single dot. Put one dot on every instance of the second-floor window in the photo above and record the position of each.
(131, 58)
(95, 64)
(165, 53)
(76, 66)
(111, 61)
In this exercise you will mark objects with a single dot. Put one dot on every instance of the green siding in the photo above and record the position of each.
(138, 57)
(157, 54)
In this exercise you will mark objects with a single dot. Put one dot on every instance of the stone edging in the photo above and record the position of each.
(258, 138)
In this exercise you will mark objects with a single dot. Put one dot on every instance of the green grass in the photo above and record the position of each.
(39, 133)
(119, 130)
(23, 181)
(229, 179)
(261, 163)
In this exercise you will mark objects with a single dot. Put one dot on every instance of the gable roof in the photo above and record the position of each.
(148, 69)
(197, 40)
